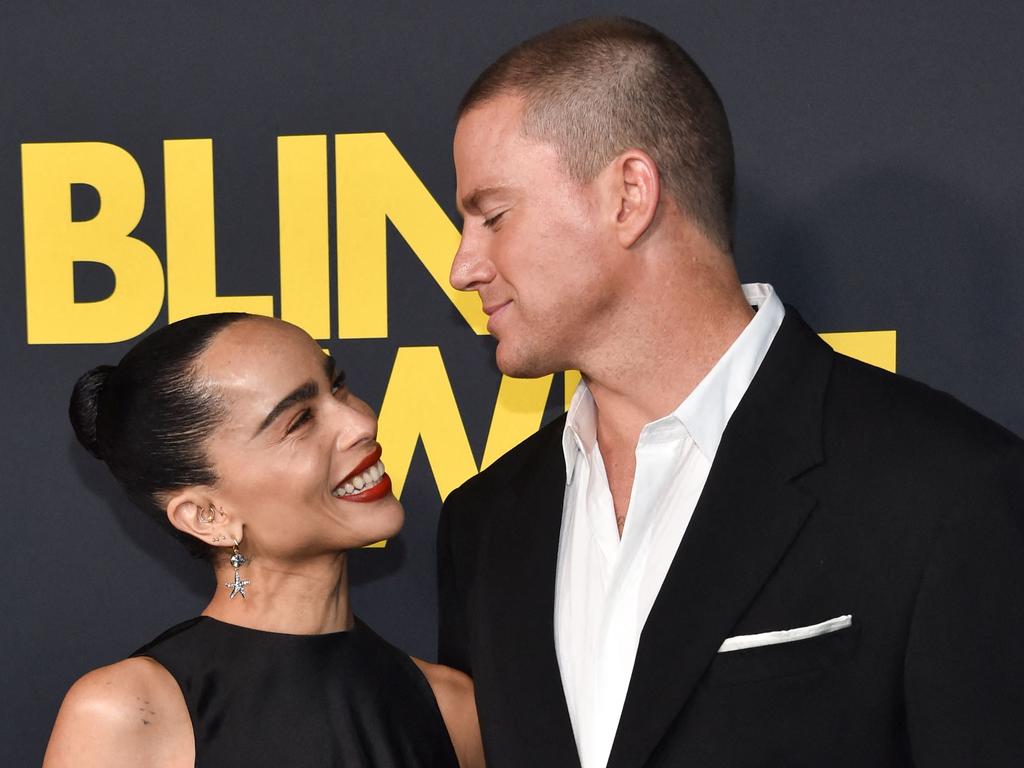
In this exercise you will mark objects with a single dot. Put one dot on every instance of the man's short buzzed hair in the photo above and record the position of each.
(597, 87)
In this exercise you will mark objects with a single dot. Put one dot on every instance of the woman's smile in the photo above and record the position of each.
(367, 482)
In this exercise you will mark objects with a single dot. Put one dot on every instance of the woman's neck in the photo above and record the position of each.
(306, 598)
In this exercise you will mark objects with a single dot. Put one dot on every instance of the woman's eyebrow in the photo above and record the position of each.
(307, 391)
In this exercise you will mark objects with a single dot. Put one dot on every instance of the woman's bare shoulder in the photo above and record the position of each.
(456, 700)
(128, 713)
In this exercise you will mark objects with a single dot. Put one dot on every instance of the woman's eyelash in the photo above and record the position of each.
(307, 413)
(338, 383)
(301, 419)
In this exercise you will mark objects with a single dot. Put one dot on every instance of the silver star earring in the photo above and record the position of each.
(237, 587)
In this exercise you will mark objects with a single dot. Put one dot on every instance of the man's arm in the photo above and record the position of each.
(964, 673)
(453, 640)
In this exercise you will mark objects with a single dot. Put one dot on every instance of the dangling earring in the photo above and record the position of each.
(237, 587)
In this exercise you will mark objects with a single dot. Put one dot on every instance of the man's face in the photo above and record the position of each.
(535, 243)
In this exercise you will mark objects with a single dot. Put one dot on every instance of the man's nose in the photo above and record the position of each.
(470, 268)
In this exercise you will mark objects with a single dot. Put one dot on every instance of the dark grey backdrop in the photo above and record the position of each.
(880, 186)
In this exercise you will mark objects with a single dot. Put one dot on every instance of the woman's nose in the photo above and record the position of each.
(355, 423)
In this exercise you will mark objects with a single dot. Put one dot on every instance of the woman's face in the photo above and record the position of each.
(297, 456)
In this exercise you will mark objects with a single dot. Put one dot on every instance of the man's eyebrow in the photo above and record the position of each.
(306, 391)
(471, 202)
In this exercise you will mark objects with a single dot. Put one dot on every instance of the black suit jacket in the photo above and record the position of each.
(837, 489)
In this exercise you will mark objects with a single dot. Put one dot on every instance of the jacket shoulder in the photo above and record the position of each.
(901, 411)
(544, 445)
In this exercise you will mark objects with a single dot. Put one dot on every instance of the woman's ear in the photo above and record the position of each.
(198, 515)
(638, 188)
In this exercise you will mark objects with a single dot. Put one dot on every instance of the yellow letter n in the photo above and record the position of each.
(374, 185)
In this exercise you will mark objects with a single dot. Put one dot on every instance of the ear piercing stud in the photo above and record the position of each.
(212, 515)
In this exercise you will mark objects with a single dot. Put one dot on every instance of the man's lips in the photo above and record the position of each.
(493, 311)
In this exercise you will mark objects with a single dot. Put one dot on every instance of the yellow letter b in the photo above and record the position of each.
(54, 242)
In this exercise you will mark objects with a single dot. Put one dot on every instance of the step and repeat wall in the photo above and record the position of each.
(159, 160)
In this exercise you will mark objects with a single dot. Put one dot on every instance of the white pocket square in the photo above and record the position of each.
(741, 642)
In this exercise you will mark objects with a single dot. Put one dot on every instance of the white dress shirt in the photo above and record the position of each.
(605, 586)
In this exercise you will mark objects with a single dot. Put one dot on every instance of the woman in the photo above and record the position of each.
(235, 431)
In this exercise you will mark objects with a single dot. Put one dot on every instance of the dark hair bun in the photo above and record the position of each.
(85, 405)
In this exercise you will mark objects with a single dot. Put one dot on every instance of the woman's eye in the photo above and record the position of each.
(491, 222)
(338, 383)
(301, 419)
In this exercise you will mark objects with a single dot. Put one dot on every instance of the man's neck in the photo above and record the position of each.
(654, 374)
(653, 370)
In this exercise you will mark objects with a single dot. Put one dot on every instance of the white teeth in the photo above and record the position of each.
(361, 482)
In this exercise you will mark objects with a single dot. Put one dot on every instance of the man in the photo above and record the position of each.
(738, 548)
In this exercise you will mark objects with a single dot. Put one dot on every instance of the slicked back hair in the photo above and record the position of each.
(148, 417)
(596, 87)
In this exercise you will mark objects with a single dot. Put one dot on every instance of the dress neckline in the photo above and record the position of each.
(241, 629)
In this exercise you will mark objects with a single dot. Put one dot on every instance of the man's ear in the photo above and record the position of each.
(638, 189)
(197, 514)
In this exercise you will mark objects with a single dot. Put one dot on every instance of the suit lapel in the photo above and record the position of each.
(527, 558)
(746, 518)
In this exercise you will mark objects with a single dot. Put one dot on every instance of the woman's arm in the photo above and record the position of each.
(128, 714)
(454, 693)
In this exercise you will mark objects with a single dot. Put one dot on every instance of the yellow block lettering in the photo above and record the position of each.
(191, 249)
(53, 243)
(302, 212)
(518, 413)
(572, 380)
(376, 184)
(876, 348)
(419, 405)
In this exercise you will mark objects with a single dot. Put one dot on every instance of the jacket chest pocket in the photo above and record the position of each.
(785, 659)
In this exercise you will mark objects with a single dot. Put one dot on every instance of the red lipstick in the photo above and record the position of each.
(379, 491)
(362, 466)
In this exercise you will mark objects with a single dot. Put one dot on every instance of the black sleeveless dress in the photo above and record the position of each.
(268, 700)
